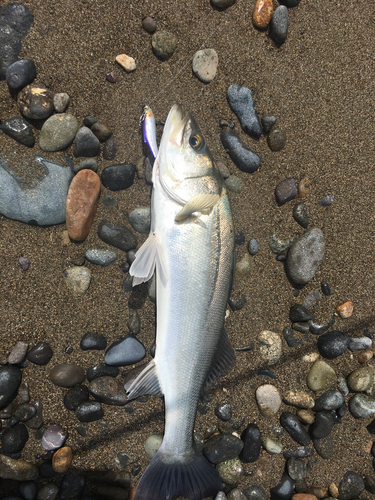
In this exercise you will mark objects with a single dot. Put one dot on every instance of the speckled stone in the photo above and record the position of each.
(108, 390)
(242, 156)
(241, 101)
(262, 13)
(305, 256)
(230, 471)
(271, 347)
(19, 130)
(268, 399)
(77, 279)
(163, 44)
(35, 102)
(58, 132)
(10, 379)
(276, 139)
(205, 63)
(286, 191)
(100, 256)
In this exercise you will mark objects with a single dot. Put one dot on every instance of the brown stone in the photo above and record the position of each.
(333, 490)
(62, 459)
(35, 102)
(307, 416)
(303, 496)
(345, 310)
(299, 399)
(304, 187)
(364, 356)
(262, 13)
(18, 470)
(81, 204)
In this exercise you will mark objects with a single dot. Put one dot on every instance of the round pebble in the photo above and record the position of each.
(152, 444)
(20, 73)
(205, 64)
(40, 354)
(345, 310)
(224, 412)
(362, 379)
(305, 256)
(330, 400)
(284, 489)
(234, 184)
(61, 102)
(362, 406)
(109, 149)
(276, 140)
(222, 4)
(89, 164)
(117, 177)
(222, 447)
(58, 132)
(286, 191)
(253, 247)
(92, 341)
(268, 400)
(351, 486)
(268, 121)
(321, 376)
(125, 352)
(67, 375)
(54, 437)
(271, 347)
(101, 257)
(140, 219)
(14, 438)
(300, 215)
(112, 76)
(18, 354)
(262, 13)
(333, 344)
(327, 200)
(149, 24)
(163, 44)
(230, 471)
(244, 266)
(28, 490)
(359, 343)
(101, 131)
(24, 412)
(77, 279)
(35, 102)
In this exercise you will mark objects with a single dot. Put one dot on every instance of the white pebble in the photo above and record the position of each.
(127, 62)
(205, 64)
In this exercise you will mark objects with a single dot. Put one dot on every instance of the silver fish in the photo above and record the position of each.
(191, 245)
(148, 124)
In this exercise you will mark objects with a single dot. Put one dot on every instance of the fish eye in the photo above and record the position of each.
(196, 142)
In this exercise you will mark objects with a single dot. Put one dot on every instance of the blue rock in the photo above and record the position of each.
(242, 156)
(241, 101)
(44, 203)
(359, 343)
(20, 73)
(125, 352)
(253, 247)
(19, 130)
(101, 257)
(279, 24)
(305, 256)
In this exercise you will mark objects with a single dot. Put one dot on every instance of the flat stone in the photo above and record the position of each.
(24, 412)
(118, 177)
(125, 352)
(244, 266)
(40, 354)
(20, 73)
(89, 411)
(35, 102)
(108, 390)
(58, 132)
(262, 13)
(321, 376)
(299, 399)
(118, 236)
(305, 256)
(241, 101)
(271, 347)
(18, 354)
(140, 219)
(77, 279)
(286, 191)
(92, 341)
(86, 143)
(127, 62)
(19, 130)
(10, 379)
(67, 375)
(62, 459)
(205, 63)
(54, 437)
(268, 399)
(42, 204)
(279, 24)
(163, 44)
(17, 470)
(100, 256)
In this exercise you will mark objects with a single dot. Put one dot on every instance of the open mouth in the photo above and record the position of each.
(175, 124)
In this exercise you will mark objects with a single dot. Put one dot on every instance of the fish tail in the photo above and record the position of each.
(163, 479)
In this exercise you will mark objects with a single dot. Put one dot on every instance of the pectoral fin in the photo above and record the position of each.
(150, 254)
(146, 383)
(198, 203)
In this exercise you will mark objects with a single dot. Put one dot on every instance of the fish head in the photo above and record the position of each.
(186, 166)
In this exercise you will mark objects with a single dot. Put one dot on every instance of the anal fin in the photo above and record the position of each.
(146, 383)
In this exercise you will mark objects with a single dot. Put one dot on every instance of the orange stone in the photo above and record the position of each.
(81, 204)
(262, 13)
(303, 496)
(365, 356)
(304, 187)
(62, 459)
(345, 310)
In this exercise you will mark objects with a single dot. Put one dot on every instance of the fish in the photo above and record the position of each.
(148, 124)
(191, 247)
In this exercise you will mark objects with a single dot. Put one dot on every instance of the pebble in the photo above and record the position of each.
(239, 238)
(300, 215)
(342, 385)
(126, 351)
(86, 143)
(268, 400)
(326, 290)
(271, 446)
(117, 177)
(122, 459)
(296, 468)
(244, 266)
(255, 492)
(77, 279)
(224, 170)
(14, 438)
(241, 102)
(307, 416)
(100, 256)
(317, 329)
(243, 157)
(300, 452)
(35, 102)
(20, 73)
(75, 396)
(24, 263)
(362, 379)
(298, 312)
(28, 490)
(234, 184)
(284, 490)
(351, 486)
(310, 358)
(222, 447)
(271, 347)
(311, 297)
(17, 470)
(369, 484)
(237, 304)
(253, 247)
(37, 421)
(276, 140)
(291, 3)
(205, 65)
(362, 406)
(134, 322)
(279, 25)
(24, 412)
(18, 354)
(62, 459)
(290, 340)
(58, 132)
(321, 376)
(359, 343)
(163, 44)
(30, 205)
(67, 375)
(149, 24)
(112, 77)
(61, 102)
(72, 486)
(140, 219)
(326, 200)
(251, 444)
(286, 191)
(235, 494)
(364, 356)
(324, 447)
(305, 256)
(222, 4)
(299, 399)
(108, 390)
(89, 163)
(109, 149)
(330, 400)
(224, 412)
(230, 471)
(40, 354)
(101, 370)
(92, 341)
(322, 425)
(89, 121)
(304, 496)
(54, 437)
(262, 13)
(152, 444)
(89, 411)
(333, 344)
(294, 428)
(302, 327)
(19, 130)
(127, 62)
(345, 310)
(151, 288)
(10, 379)
(101, 131)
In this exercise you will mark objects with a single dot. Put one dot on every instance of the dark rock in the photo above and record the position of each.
(40, 354)
(301, 452)
(10, 379)
(101, 370)
(242, 156)
(299, 313)
(89, 411)
(75, 396)
(300, 215)
(351, 486)
(24, 412)
(255, 492)
(276, 139)
(333, 344)
(117, 177)
(108, 390)
(268, 121)
(317, 329)
(239, 238)
(324, 447)
(28, 490)
(326, 201)
(279, 25)
(138, 296)
(291, 341)
(330, 400)
(294, 428)
(102, 132)
(35, 102)
(72, 486)
(241, 101)
(341, 411)
(251, 443)
(302, 327)
(109, 149)
(290, 3)
(20, 73)
(325, 288)
(286, 191)
(370, 484)
(67, 375)
(14, 439)
(284, 490)
(92, 341)
(86, 143)
(222, 447)
(89, 121)
(37, 421)
(149, 24)
(224, 412)
(322, 425)
(126, 351)
(118, 236)
(237, 304)
(19, 130)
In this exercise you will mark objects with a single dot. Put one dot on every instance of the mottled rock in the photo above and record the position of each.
(299, 399)
(262, 13)
(276, 139)
(241, 101)
(77, 279)
(268, 399)
(163, 44)
(230, 471)
(19, 130)
(35, 102)
(286, 191)
(127, 62)
(18, 354)
(305, 256)
(333, 344)
(108, 390)
(271, 347)
(205, 64)
(58, 132)
(345, 310)
(61, 102)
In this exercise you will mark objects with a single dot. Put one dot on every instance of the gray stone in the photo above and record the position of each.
(271, 446)
(253, 247)
(326, 201)
(300, 215)
(10, 379)
(89, 163)
(277, 245)
(234, 184)
(279, 24)
(118, 236)
(108, 390)
(140, 219)
(242, 156)
(19, 130)
(42, 204)
(102, 132)
(271, 347)
(330, 400)
(305, 256)
(255, 492)
(163, 44)
(360, 343)
(77, 279)
(134, 322)
(222, 4)
(351, 486)
(286, 191)
(362, 379)
(58, 132)
(18, 353)
(20, 73)
(125, 352)
(152, 444)
(100, 256)
(268, 400)
(205, 64)
(61, 102)
(86, 143)
(276, 139)
(48, 492)
(362, 406)
(241, 101)
(268, 121)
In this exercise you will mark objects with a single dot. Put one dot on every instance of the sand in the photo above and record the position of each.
(320, 85)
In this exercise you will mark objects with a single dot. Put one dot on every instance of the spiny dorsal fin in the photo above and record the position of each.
(146, 383)
(198, 203)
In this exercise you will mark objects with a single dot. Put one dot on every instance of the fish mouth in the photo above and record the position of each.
(175, 125)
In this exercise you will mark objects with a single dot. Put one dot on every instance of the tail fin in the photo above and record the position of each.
(195, 479)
